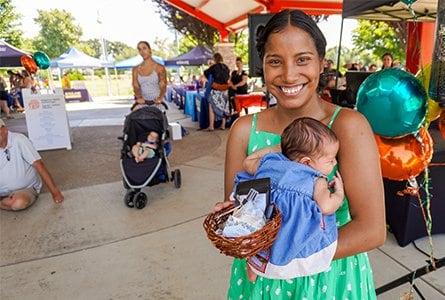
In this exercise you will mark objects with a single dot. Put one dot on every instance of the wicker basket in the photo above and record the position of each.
(243, 246)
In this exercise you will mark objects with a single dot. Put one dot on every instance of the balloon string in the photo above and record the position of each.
(436, 164)
(427, 216)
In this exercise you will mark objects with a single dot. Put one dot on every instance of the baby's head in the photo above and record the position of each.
(310, 142)
(153, 136)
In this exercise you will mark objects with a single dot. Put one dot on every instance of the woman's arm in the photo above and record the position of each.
(359, 164)
(243, 81)
(236, 151)
(26, 83)
(162, 82)
(136, 87)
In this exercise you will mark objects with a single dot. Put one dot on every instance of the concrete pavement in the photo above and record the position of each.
(93, 247)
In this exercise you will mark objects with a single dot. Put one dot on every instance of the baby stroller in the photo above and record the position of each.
(150, 171)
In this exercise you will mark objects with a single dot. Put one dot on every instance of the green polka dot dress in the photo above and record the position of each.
(348, 278)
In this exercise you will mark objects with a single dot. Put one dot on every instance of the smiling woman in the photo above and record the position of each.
(292, 49)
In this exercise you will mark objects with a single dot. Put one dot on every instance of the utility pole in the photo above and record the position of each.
(104, 55)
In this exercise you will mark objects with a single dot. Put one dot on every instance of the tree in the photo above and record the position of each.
(187, 25)
(57, 33)
(9, 22)
(377, 38)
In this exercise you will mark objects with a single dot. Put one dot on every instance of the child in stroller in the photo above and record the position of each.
(147, 149)
(139, 124)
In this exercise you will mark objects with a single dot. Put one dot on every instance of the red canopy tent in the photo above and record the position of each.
(229, 16)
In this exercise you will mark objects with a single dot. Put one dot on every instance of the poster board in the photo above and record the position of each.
(47, 120)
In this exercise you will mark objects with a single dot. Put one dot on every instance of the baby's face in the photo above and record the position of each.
(326, 162)
(153, 137)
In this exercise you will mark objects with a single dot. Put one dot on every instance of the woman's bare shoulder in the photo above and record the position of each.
(350, 119)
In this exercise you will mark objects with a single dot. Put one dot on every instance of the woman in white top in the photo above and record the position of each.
(149, 78)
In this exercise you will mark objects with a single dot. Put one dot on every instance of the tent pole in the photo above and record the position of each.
(339, 53)
(117, 81)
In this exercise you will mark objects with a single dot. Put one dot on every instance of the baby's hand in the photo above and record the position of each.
(337, 184)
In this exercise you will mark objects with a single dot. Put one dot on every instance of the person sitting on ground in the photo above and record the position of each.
(21, 172)
(14, 89)
(300, 190)
(4, 99)
(143, 150)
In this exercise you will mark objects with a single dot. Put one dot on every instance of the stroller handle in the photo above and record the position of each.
(151, 102)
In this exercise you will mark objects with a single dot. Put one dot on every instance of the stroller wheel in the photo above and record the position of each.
(140, 200)
(177, 178)
(128, 199)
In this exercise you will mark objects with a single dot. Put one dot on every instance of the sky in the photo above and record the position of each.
(131, 21)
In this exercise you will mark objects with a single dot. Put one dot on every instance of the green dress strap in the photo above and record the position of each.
(334, 116)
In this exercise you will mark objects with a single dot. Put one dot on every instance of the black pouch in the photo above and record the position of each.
(262, 186)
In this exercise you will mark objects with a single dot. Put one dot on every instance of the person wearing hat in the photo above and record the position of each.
(22, 172)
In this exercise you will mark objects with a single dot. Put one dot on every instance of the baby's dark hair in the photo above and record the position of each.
(306, 137)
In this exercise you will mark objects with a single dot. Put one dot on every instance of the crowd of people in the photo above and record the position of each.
(333, 79)
(11, 98)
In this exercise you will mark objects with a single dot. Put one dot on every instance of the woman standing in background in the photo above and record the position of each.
(149, 78)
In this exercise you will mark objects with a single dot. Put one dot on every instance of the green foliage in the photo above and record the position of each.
(186, 24)
(241, 42)
(9, 22)
(376, 38)
(57, 32)
(75, 75)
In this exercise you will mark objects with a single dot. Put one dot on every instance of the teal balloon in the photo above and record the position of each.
(42, 60)
(394, 102)
(408, 2)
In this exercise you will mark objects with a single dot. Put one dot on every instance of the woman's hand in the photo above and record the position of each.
(140, 100)
(221, 205)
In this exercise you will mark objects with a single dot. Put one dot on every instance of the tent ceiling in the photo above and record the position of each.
(231, 15)
(390, 10)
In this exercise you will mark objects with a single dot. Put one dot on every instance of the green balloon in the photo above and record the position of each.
(408, 2)
(42, 60)
(393, 101)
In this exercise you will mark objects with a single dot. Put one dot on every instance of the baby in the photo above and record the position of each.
(146, 149)
(307, 238)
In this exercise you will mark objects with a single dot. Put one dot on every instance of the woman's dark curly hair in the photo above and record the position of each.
(295, 18)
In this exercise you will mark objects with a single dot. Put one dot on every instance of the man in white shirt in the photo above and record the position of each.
(21, 172)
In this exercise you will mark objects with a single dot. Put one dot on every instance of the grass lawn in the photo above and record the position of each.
(97, 87)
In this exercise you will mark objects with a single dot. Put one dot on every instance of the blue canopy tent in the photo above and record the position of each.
(195, 57)
(134, 61)
(74, 58)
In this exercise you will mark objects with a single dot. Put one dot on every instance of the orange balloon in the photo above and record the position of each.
(28, 63)
(442, 123)
(406, 156)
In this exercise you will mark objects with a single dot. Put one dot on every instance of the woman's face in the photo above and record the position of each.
(144, 50)
(239, 64)
(291, 67)
(387, 61)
